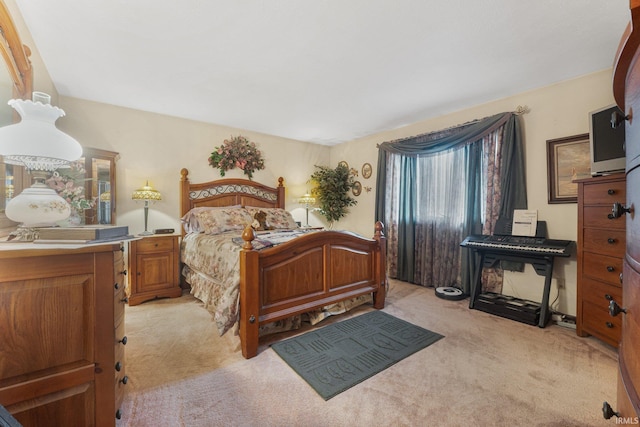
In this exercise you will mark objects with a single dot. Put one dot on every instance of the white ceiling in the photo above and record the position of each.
(323, 71)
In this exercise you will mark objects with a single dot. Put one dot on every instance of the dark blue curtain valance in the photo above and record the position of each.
(513, 176)
(434, 142)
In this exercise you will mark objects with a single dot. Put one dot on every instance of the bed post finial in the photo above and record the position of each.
(248, 235)
(379, 229)
(184, 174)
(281, 182)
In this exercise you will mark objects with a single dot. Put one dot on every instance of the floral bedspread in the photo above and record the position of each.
(212, 268)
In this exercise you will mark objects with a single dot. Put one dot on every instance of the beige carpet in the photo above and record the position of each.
(487, 371)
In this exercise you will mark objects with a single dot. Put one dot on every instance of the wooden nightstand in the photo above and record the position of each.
(154, 268)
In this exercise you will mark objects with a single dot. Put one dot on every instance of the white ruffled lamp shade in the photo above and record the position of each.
(35, 141)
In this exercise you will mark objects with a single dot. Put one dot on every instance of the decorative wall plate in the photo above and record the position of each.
(343, 163)
(366, 170)
(357, 188)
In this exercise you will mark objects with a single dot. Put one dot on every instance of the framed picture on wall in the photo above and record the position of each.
(567, 161)
(367, 170)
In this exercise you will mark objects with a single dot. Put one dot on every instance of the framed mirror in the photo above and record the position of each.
(16, 81)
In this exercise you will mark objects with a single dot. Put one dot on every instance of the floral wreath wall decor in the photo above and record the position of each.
(237, 152)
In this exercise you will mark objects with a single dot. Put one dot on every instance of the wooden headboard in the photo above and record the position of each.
(228, 192)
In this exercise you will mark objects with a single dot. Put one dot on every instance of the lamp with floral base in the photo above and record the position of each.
(38, 145)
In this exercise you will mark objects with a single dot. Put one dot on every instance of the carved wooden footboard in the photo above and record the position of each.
(306, 273)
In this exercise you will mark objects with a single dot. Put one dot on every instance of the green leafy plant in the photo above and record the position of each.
(331, 190)
(237, 152)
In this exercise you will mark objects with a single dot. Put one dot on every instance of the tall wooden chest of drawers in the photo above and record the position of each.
(62, 316)
(601, 247)
(626, 91)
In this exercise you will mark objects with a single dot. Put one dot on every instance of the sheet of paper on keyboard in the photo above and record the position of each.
(524, 222)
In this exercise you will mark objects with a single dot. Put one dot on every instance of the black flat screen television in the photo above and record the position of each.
(606, 142)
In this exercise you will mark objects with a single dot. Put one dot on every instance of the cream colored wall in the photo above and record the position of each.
(557, 111)
(155, 147)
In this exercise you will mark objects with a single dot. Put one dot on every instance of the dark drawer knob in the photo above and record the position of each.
(124, 380)
(118, 366)
(611, 191)
(119, 414)
(123, 272)
(610, 268)
(615, 309)
(608, 412)
(618, 210)
(125, 300)
(609, 325)
(608, 297)
(117, 286)
(611, 240)
(121, 250)
(123, 340)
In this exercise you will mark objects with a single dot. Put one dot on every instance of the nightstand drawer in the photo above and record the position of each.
(156, 244)
(602, 267)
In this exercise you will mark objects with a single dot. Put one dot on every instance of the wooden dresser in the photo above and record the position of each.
(601, 246)
(62, 316)
(155, 271)
(626, 91)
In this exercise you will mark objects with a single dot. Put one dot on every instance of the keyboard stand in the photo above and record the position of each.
(542, 264)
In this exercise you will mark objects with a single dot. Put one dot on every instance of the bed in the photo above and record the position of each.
(314, 270)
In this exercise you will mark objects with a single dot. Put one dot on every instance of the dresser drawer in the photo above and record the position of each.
(600, 293)
(119, 300)
(119, 272)
(153, 244)
(605, 192)
(598, 217)
(606, 242)
(598, 322)
(602, 267)
(120, 336)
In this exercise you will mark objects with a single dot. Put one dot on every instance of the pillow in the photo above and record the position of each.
(276, 218)
(190, 221)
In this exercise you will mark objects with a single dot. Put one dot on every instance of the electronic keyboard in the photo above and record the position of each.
(519, 245)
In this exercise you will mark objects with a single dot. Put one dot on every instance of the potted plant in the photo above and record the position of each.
(331, 190)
